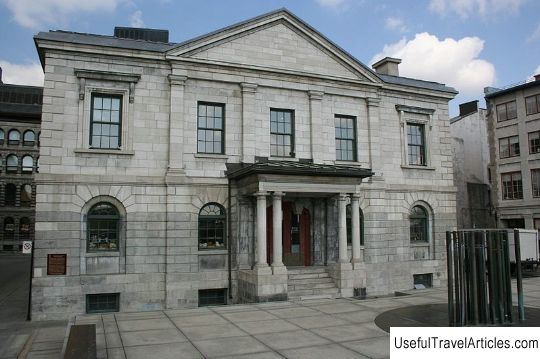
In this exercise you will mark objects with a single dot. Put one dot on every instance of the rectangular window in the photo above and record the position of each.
(281, 133)
(416, 144)
(534, 142)
(211, 128)
(532, 103)
(106, 121)
(512, 186)
(212, 297)
(102, 303)
(509, 147)
(345, 138)
(506, 111)
(535, 182)
(423, 280)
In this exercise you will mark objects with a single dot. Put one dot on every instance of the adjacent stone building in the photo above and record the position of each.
(471, 161)
(514, 142)
(20, 117)
(229, 167)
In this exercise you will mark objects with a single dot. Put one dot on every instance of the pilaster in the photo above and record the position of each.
(249, 91)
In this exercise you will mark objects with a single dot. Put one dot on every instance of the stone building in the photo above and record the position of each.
(471, 160)
(233, 166)
(20, 117)
(514, 143)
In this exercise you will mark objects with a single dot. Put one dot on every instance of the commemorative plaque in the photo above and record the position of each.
(56, 264)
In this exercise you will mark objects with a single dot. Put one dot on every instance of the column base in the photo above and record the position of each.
(262, 269)
(279, 269)
(357, 263)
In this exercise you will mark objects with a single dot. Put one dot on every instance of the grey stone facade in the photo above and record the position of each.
(521, 211)
(159, 182)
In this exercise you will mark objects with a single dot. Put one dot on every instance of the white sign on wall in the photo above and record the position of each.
(27, 247)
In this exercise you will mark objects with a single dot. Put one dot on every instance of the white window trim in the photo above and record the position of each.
(107, 83)
(404, 121)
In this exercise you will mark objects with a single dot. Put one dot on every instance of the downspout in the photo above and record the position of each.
(326, 232)
(229, 236)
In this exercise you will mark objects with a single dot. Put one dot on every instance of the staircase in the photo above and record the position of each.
(310, 283)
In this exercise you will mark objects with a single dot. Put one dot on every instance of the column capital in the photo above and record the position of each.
(315, 95)
(278, 194)
(178, 80)
(355, 196)
(260, 194)
(373, 101)
(343, 196)
(248, 87)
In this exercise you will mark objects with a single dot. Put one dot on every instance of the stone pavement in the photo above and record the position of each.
(323, 328)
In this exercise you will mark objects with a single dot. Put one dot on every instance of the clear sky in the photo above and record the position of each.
(467, 44)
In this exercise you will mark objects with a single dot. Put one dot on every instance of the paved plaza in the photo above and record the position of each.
(322, 328)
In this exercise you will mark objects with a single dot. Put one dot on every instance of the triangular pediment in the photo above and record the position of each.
(278, 41)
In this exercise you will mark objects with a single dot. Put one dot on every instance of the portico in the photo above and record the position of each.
(296, 223)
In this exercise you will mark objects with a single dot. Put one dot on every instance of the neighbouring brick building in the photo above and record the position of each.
(20, 117)
(514, 143)
(182, 174)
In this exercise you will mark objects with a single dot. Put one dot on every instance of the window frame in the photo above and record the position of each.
(415, 217)
(354, 140)
(28, 169)
(26, 203)
(515, 187)
(200, 218)
(120, 97)
(422, 146)
(116, 303)
(535, 146)
(15, 168)
(222, 130)
(29, 143)
(509, 145)
(10, 197)
(11, 231)
(14, 142)
(98, 217)
(535, 172)
(2, 136)
(499, 111)
(536, 104)
(292, 135)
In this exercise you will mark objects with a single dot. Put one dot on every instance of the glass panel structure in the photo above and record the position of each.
(105, 121)
(418, 219)
(345, 128)
(512, 187)
(281, 133)
(212, 227)
(416, 144)
(103, 228)
(211, 128)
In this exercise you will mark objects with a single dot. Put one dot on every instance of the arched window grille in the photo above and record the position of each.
(27, 163)
(14, 137)
(103, 228)
(29, 138)
(12, 163)
(418, 219)
(212, 226)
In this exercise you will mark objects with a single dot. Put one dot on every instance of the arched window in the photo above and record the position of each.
(14, 137)
(27, 163)
(212, 226)
(39, 139)
(349, 225)
(24, 228)
(103, 224)
(9, 228)
(29, 138)
(26, 195)
(418, 219)
(37, 165)
(10, 194)
(2, 136)
(12, 162)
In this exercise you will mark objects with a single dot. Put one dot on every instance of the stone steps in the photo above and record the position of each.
(310, 282)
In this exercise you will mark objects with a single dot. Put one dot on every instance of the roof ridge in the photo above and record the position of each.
(109, 36)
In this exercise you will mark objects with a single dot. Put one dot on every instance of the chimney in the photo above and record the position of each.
(536, 77)
(1, 76)
(468, 107)
(387, 66)
(135, 33)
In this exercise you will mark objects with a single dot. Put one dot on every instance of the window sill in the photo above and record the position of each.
(419, 244)
(410, 167)
(103, 254)
(291, 159)
(211, 155)
(96, 151)
(212, 251)
(348, 163)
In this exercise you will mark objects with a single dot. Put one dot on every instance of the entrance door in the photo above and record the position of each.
(296, 236)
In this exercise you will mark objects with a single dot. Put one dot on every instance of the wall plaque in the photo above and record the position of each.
(56, 264)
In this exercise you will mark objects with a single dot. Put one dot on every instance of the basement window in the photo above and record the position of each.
(212, 297)
(102, 303)
(422, 281)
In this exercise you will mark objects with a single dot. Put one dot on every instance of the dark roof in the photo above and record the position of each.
(406, 81)
(239, 170)
(20, 101)
(143, 45)
(511, 89)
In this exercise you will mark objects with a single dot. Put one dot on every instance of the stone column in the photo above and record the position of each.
(277, 218)
(374, 135)
(318, 145)
(176, 126)
(355, 214)
(342, 228)
(261, 231)
(248, 122)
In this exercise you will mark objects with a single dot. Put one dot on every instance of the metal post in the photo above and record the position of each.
(457, 291)
(491, 278)
(29, 309)
(449, 262)
(483, 282)
(507, 279)
(474, 288)
(517, 249)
